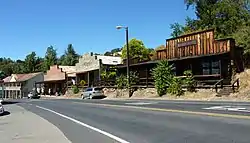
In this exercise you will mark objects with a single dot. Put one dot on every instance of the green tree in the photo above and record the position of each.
(70, 57)
(177, 30)
(2, 75)
(230, 18)
(113, 52)
(30, 63)
(136, 50)
(50, 58)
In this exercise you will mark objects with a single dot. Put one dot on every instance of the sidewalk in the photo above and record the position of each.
(22, 126)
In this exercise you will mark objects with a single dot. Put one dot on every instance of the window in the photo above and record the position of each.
(89, 89)
(98, 89)
(211, 67)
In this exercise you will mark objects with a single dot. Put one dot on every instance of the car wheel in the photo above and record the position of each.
(90, 96)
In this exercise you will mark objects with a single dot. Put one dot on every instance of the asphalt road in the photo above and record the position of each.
(145, 121)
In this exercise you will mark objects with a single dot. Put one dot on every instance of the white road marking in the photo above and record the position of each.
(141, 103)
(86, 125)
(229, 108)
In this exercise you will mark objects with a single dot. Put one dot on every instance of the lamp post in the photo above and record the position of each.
(128, 71)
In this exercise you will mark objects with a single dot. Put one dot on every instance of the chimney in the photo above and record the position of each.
(91, 53)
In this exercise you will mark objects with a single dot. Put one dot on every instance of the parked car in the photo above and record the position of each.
(33, 96)
(1, 109)
(92, 92)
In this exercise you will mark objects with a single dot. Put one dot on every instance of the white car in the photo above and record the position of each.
(30, 95)
(1, 109)
(92, 92)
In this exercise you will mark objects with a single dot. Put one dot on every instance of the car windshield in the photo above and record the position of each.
(89, 89)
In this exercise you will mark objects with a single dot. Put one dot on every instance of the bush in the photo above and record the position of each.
(75, 89)
(108, 75)
(175, 87)
(163, 76)
(189, 81)
(122, 80)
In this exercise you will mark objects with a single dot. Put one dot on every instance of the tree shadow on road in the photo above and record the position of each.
(9, 102)
(5, 113)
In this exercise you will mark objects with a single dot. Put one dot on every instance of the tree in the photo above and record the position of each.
(113, 52)
(177, 30)
(136, 50)
(229, 18)
(30, 63)
(50, 58)
(70, 57)
(2, 75)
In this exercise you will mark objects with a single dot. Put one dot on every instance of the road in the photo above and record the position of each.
(146, 121)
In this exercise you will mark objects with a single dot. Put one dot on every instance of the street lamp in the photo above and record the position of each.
(128, 72)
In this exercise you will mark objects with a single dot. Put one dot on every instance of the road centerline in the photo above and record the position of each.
(86, 125)
(169, 110)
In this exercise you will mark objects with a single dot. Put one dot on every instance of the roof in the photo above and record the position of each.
(110, 60)
(70, 70)
(191, 33)
(20, 77)
(55, 74)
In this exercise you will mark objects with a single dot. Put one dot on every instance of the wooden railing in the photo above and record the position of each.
(217, 83)
(237, 82)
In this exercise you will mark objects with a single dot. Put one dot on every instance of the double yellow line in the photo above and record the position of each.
(169, 110)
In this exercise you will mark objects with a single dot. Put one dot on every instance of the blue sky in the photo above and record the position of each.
(33, 25)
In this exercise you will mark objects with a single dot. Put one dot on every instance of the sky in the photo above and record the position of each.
(33, 25)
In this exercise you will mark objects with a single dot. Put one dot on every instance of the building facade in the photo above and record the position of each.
(90, 66)
(54, 81)
(19, 85)
(208, 58)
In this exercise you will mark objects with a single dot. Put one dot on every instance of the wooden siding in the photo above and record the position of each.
(197, 44)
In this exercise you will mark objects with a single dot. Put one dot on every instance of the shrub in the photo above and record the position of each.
(122, 80)
(75, 89)
(175, 87)
(108, 75)
(189, 81)
(163, 76)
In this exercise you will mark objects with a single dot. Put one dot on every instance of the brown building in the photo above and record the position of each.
(209, 59)
(54, 81)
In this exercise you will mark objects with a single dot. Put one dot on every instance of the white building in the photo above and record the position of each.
(19, 85)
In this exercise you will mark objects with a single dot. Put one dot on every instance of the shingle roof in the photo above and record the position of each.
(21, 77)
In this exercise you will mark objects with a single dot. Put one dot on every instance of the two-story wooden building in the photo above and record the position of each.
(208, 58)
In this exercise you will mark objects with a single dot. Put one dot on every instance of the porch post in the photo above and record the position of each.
(100, 69)
(88, 79)
(220, 69)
